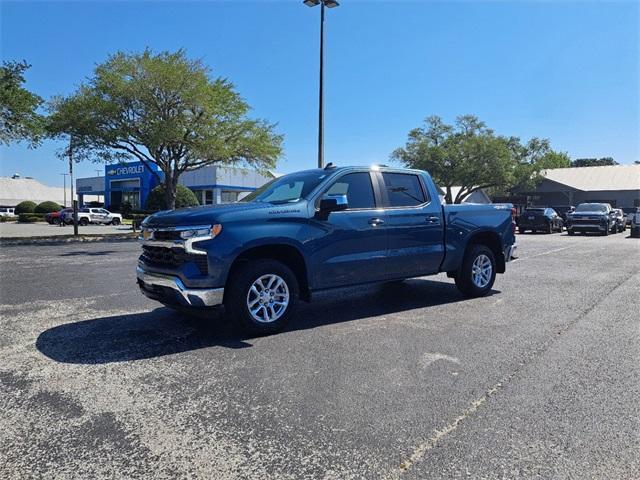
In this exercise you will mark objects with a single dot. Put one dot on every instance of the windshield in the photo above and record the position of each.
(591, 207)
(288, 188)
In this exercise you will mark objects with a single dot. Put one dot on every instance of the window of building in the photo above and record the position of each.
(403, 189)
(229, 197)
(208, 197)
(358, 189)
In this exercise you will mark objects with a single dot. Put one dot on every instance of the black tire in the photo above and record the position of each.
(83, 221)
(115, 222)
(606, 231)
(521, 230)
(55, 221)
(239, 286)
(464, 279)
(571, 233)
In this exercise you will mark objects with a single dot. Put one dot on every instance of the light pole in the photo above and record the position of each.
(74, 202)
(64, 180)
(328, 4)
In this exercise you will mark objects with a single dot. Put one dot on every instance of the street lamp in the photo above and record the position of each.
(328, 4)
(64, 177)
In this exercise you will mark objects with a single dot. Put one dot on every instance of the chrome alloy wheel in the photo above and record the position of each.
(481, 271)
(268, 298)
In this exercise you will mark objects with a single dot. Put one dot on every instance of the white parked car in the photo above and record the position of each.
(7, 212)
(94, 215)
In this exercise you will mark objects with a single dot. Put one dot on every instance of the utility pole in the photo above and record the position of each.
(321, 93)
(64, 180)
(323, 4)
(75, 202)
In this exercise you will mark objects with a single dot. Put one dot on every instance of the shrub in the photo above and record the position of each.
(4, 218)
(25, 207)
(48, 207)
(184, 198)
(30, 217)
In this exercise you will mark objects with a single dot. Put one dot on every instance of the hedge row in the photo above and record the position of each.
(31, 207)
(31, 217)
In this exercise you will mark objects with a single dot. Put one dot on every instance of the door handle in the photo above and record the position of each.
(433, 219)
(375, 221)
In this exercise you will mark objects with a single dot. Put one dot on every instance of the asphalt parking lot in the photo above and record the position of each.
(41, 229)
(540, 379)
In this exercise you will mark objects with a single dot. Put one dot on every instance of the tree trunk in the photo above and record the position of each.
(170, 181)
(447, 196)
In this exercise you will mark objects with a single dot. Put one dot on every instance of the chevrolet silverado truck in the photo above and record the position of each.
(592, 217)
(316, 230)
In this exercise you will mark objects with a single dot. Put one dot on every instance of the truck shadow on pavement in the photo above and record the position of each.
(161, 332)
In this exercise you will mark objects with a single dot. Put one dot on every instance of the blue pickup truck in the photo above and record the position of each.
(315, 230)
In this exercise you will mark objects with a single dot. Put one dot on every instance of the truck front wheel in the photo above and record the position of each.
(262, 296)
(478, 271)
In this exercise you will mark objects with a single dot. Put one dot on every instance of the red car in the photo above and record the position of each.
(54, 218)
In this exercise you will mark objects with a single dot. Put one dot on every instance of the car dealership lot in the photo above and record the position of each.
(541, 378)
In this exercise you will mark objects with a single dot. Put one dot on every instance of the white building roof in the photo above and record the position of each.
(594, 179)
(16, 190)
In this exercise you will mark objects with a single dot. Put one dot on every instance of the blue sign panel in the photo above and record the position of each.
(130, 183)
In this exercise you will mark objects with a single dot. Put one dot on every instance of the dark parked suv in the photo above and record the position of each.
(592, 217)
(540, 219)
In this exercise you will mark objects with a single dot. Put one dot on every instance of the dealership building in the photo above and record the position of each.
(618, 185)
(132, 183)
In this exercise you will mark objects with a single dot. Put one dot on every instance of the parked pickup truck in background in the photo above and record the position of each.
(315, 230)
(93, 215)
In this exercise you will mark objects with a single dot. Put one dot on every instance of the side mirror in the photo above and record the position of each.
(333, 203)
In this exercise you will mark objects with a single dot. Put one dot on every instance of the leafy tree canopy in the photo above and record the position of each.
(163, 109)
(19, 119)
(470, 155)
(593, 162)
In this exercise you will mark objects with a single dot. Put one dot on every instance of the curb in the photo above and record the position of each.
(64, 239)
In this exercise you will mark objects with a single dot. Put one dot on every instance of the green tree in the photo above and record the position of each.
(594, 162)
(466, 154)
(471, 156)
(163, 109)
(184, 198)
(530, 160)
(19, 119)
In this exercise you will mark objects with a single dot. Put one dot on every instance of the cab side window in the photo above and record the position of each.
(403, 189)
(358, 189)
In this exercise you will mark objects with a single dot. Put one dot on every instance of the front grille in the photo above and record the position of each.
(585, 221)
(172, 258)
(166, 235)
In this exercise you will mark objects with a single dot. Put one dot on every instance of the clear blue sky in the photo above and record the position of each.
(568, 71)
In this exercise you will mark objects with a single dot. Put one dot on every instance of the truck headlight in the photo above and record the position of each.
(212, 231)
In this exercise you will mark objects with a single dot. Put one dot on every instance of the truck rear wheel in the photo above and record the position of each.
(478, 271)
(84, 222)
(262, 296)
(115, 221)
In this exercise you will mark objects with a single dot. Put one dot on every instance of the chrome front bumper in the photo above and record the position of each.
(152, 284)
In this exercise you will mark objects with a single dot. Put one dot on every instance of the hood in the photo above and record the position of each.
(588, 214)
(205, 215)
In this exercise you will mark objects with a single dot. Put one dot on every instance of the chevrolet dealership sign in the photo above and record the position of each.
(126, 170)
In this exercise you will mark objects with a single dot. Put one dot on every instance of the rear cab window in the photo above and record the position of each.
(404, 189)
